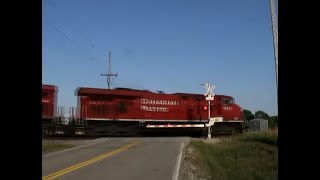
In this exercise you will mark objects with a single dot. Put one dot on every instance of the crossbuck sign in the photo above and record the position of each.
(209, 93)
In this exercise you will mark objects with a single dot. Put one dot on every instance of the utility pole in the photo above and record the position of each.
(275, 36)
(109, 74)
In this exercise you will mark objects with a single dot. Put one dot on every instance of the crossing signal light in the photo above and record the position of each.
(205, 107)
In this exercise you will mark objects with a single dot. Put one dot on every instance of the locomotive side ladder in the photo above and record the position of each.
(80, 121)
(57, 122)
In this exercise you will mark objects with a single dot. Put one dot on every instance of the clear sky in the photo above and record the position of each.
(167, 45)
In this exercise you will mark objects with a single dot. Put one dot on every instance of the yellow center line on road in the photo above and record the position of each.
(77, 166)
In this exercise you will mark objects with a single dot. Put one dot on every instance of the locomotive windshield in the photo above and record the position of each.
(227, 101)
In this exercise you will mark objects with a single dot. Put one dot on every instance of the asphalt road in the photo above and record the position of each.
(148, 158)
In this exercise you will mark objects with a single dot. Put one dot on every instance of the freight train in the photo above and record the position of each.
(124, 110)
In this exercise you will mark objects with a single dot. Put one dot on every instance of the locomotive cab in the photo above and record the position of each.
(229, 110)
(231, 114)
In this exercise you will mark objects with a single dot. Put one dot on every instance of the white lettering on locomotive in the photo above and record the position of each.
(154, 109)
(145, 102)
(158, 102)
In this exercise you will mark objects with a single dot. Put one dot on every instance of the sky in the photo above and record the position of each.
(162, 45)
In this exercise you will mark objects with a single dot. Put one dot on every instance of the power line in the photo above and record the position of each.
(64, 34)
(70, 39)
(90, 42)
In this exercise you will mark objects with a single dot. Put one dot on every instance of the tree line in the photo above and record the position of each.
(272, 121)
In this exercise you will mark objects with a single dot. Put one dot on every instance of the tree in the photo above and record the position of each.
(273, 122)
(261, 115)
(247, 114)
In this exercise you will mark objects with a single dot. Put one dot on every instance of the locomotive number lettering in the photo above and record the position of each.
(227, 108)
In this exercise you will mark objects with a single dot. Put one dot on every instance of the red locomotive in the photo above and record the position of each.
(108, 107)
(49, 101)
(49, 104)
(104, 111)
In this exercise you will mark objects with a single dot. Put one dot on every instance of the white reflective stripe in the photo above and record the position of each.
(174, 126)
(163, 120)
(231, 121)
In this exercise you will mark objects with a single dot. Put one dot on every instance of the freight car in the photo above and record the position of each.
(124, 110)
(49, 105)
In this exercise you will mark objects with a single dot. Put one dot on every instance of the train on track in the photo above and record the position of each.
(125, 111)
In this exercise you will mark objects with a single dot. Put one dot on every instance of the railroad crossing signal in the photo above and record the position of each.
(209, 92)
(209, 97)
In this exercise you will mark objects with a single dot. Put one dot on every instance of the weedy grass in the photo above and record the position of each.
(248, 156)
(48, 147)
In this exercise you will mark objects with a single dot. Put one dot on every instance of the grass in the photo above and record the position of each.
(248, 156)
(269, 137)
(48, 147)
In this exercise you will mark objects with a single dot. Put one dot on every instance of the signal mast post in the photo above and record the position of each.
(209, 96)
(209, 128)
